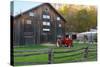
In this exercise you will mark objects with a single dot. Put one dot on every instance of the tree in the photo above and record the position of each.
(79, 19)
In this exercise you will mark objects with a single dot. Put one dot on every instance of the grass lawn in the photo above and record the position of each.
(92, 56)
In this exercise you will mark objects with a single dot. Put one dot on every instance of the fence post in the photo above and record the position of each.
(50, 56)
(86, 53)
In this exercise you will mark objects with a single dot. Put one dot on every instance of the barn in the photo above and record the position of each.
(41, 24)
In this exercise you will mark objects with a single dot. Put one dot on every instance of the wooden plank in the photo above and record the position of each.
(50, 56)
(86, 53)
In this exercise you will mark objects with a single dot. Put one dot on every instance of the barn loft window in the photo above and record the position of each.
(46, 10)
(31, 14)
(46, 23)
(44, 29)
(46, 16)
(58, 18)
(28, 22)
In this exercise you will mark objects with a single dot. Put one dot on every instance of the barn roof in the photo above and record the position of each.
(40, 6)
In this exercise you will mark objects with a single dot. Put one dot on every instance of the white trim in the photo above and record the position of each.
(44, 29)
(46, 16)
(46, 23)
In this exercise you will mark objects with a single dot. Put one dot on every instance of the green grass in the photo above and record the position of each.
(44, 57)
(30, 47)
(37, 58)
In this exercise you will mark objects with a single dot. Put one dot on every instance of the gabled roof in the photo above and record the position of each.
(40, 6)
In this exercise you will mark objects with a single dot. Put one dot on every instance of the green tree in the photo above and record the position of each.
(79, 20)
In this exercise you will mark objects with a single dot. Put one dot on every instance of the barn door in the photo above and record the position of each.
(28, 32)
(44, 38)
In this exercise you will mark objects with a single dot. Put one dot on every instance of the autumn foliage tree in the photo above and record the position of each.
(79, 18)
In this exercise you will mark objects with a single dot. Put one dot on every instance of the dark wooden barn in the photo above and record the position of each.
(41, 24)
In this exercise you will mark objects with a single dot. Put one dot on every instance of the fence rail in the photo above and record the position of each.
(51, 54)
(68, 55)
(69, 51)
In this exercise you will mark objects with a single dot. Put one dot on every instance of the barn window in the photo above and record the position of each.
(28, 22)
(46, 23)
(46, 10)
(46, 16)
(59, 25)
(28, 26)
(58, 18)
(44, 29)
(31, 14)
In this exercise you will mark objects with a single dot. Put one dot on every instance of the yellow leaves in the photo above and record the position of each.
(63, 7)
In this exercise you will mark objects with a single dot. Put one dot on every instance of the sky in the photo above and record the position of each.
(21, 6)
